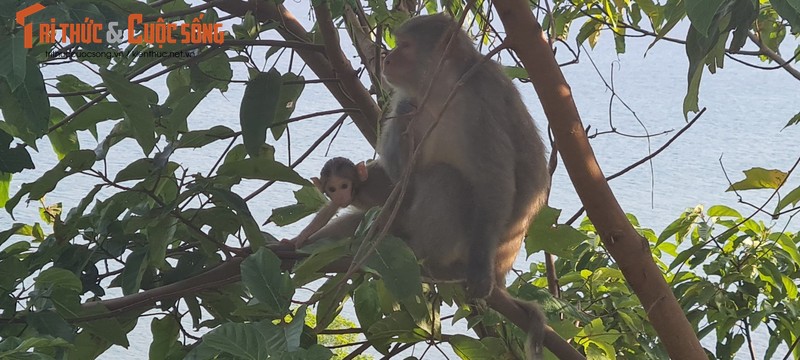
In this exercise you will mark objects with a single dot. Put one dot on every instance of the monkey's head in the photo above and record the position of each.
(340, 179)
(420, 46)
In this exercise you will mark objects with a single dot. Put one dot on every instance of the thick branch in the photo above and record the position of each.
(223, 274)
(628, 248)
(368, 50)
(349, 95)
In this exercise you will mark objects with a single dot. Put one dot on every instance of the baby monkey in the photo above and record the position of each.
(345, 183)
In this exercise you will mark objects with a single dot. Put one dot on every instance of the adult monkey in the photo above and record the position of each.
(479, 175)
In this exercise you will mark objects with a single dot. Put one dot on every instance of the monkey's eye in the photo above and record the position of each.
(332, 189)
(344, 186)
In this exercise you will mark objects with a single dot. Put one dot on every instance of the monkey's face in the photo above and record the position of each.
(401, 64)
(339, 190)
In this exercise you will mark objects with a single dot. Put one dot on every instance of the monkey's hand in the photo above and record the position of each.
(294, 243)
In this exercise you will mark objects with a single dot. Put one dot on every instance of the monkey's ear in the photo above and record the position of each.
(318, 184)
(361, 168)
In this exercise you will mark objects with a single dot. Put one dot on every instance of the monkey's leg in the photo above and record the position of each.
(438, 220)
(343, 226)
(493, 198)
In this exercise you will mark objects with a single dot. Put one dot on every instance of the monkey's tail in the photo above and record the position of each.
(536, 329)
(524, 314)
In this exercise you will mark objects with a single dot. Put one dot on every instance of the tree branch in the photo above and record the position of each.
(227, 272)
(348, 95)
(774, 56)
(627, 247)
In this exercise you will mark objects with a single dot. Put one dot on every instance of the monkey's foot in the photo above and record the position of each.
(479, 287)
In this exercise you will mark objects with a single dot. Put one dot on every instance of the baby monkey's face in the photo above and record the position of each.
(339, 190)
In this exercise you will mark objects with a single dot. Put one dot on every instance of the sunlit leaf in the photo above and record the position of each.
(759, 178)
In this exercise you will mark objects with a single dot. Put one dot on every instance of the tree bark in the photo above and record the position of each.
(626, 246)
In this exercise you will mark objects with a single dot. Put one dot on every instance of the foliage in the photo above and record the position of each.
(77, 283)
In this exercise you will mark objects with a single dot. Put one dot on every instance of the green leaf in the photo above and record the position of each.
(74, 162)
(789, 10)
(685, 255)
(293, 331)
(307, 270)
(50, 323)
(13, 160)
(723, 211)
(473, 349)
(545, 234)
(516, 72)
(759, 178)
(135, 266)
(792, 198)
(97, 113)
(13, 62)
(394, 261)
(5, 183)
(142, 169)
(62, 139)
(69, 83)
(787, 244)
(309, 200)
(176, 121)
(287, 102)
(366, 304)
(589, 30)
(793, 121)
(262, 275)
(262, 168)
(59, 278)
(135, 100)
(200, 138)
(702, 14)
(165, 337)
(236, 203)
(243, 341)
(6, 234)
(27, 108)
(696, 54)
(257, 112)
(159, 235)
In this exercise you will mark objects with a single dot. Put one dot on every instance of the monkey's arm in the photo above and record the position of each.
(321, 219)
